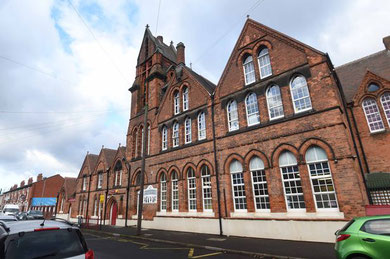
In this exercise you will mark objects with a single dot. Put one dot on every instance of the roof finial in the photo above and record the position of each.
(247, 16)
(102, 146)
(147, 26)
(119, 144)
(87, 152)
(191, 65)
(171, 42)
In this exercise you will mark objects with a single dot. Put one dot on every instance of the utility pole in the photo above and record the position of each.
(141, 193)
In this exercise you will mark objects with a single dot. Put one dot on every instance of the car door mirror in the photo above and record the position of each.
(337, 232)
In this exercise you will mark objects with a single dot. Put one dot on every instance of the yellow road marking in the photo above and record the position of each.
(191, 254)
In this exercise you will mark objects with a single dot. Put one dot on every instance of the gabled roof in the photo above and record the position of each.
(351, 74)
(207, 84)
(167, 51)
(109, 154)
(92, 160)
(69, 187)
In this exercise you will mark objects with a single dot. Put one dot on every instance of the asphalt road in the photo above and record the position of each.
(118, 247)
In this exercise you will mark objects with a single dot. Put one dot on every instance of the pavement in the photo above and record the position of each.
(253, 247)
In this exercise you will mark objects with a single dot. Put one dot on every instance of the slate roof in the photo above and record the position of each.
(351, 74)
(207, 84)
(70, 186)
(110, 155)
(378, 180)
(92, 159)
(167, 51)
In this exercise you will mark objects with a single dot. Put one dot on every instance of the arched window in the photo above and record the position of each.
(321, 178)
(175, 191)
(187, 130)
(300, 94)
(201, 126)
(191, 180)
(238, 185)
(232, 115)
(136, 143)
(373, 87)
(206, 188)
(118, 174)
(274, 102)
(84, 183)
(249, 70)
(185, 99)
(84, 206)
(175, 134)
(176, 102)
(80, 212)
(95, 205)
(264, 63)
(163, 192)
(138, 179)
(259, 182)
(373, 116)
(252, 109)
(385, 100)
(291, 181)
(164, 138)
(148, 152)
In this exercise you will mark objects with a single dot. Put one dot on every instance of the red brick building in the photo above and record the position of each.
(66, 197)
(267, 152)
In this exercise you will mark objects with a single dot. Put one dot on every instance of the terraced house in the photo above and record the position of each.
(269, 151)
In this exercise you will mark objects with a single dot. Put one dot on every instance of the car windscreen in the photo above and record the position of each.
(13, 210)
(35, 212)
(8, 219)
(45, 244)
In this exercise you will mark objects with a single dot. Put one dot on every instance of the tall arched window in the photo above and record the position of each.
(252, 109)
(136, 143)
(84, 206)
(264, 63)
(163, 192)
(373, 116)
(164, 138)
(187, 130)
(232, 115)
(175, 134)
(249, 70)
(206, 188)
(385, 100)
(274, 102)
(175, 191)
(191, 180)
(118, 174)
(291, 181)
(201, 126)
(185, 99)
(300, 94)
(321, 178)
(176, 102)
(259, 182)
(238, 185)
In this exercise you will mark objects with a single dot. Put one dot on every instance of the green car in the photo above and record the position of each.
(365, 237)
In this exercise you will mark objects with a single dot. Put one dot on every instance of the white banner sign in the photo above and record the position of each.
(150, 195)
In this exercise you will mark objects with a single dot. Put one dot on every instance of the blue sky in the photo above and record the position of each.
(64, 89)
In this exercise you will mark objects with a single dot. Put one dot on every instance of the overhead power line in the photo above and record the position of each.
(158, 14)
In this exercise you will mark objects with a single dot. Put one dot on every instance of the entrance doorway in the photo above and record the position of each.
(113, 213)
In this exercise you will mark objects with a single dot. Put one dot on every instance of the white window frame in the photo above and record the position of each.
(185, 99)
(84, 183)
(278, 98)
(377, 114)
(175, 191)
(263, 184)
(291, 164)
(265, 58)
(163, 192)
(62, 203)
(249, 70)
(207, 195)
(95, 207)
(118, 178)
(321, 177)
(385, 101)
(304, 87)
(187, 131)
(175, 134)
(176, 103)
(100, 180)
(251, 104)
(191, 183)
(239, 187)
(164, 138)
(201, 126)
(232, 116)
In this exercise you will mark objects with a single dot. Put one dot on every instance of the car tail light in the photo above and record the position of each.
(342, 237)
(44, 229)
(89, 254)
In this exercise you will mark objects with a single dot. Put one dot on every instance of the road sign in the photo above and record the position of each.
(101, 198)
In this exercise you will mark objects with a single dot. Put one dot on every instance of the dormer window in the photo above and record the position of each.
(373, 116)
(373, 87)
(264, 63)
(249, 70)
(176, 103)
(185, 99)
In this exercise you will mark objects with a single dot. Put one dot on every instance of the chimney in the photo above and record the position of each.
(386, 41)
(22, 184)
(39, 177)
(180, 53)
(30, 180)
(160, 38)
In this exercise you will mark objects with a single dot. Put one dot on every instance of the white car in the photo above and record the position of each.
(42, 239)
(10, 209)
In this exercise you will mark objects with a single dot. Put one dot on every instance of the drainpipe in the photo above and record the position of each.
(341, 91)
(216, 167)
(127, 188)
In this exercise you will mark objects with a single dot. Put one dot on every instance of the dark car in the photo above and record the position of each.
(42, 239)
(34, 214)
(21, 215)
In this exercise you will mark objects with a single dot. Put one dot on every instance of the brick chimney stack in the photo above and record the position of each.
(180, 53)
(30, 180)
(386, 41)
(22, 183)
(160, 38)
(39, 177)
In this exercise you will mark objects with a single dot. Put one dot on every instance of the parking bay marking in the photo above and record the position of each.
(191, 254)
